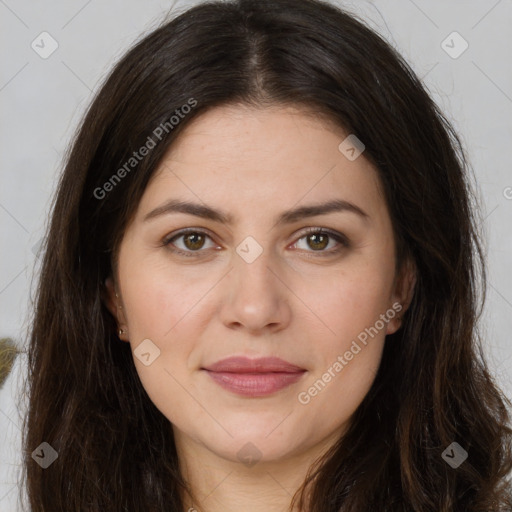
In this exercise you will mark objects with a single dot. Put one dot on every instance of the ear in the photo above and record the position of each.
(108, 296)
(403, 293)
(112, 301)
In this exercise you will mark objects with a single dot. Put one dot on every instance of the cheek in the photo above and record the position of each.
(158, 301)
(166, 385)
(349, 301)
(165, 310)
(331, 397)
(347, 355)
(169, 309)
(350, 340)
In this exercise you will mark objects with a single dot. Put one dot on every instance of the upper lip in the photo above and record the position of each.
(259, 365)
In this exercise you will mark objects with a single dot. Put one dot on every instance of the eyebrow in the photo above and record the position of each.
(286, 217)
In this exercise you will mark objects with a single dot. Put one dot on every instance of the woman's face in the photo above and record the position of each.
(251, 283)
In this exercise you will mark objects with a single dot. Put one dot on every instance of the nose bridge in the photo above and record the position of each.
(253, 261)
(256, 296)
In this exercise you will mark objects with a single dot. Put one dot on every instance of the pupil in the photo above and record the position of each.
(194, 244)
(316, 238)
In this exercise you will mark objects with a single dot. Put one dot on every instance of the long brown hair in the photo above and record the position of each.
(115, 448)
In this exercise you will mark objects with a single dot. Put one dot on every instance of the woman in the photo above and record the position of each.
(260, 286)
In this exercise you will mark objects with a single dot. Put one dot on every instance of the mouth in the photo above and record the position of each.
(254, 377)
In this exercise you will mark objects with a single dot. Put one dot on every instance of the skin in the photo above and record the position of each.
(291, 302)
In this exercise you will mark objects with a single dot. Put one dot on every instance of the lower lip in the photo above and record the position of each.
(254, 384)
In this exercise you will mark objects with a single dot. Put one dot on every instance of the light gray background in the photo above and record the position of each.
(42, 101)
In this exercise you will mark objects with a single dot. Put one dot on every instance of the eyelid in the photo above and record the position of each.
(167, 240)
(340, 238)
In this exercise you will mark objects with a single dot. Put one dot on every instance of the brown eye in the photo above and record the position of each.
(318, 240)
(193, 241)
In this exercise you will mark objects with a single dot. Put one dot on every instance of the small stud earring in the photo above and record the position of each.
(121, 331)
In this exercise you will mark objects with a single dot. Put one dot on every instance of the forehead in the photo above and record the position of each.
(260, 157)
(244, 134)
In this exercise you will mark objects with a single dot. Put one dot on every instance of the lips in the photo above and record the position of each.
(254, 377)
(260, 365)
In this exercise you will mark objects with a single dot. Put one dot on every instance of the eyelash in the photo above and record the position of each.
(338, 237)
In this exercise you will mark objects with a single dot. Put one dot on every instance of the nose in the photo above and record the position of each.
(257, 299)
